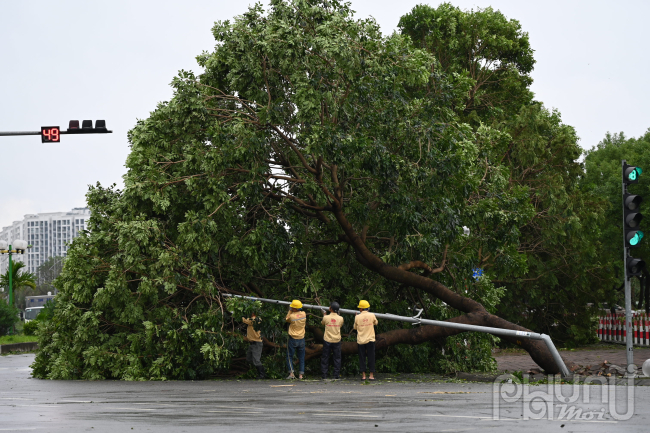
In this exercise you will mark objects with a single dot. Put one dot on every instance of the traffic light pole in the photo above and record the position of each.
(11, 286)
(628, 289)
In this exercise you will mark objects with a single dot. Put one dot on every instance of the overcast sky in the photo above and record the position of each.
(64, 59)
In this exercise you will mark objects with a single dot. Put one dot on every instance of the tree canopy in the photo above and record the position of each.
(313, 158)
(481, 51)
(559, 270)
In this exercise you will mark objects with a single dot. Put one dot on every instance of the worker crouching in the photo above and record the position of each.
(297, 320)
(365, 323)
(332, 341)
(254, 352)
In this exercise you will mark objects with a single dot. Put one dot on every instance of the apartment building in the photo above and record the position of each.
(48, 233)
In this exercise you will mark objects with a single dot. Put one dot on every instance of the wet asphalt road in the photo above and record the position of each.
(28, 404)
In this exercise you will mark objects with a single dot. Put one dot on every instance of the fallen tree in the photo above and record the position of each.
(312, 158)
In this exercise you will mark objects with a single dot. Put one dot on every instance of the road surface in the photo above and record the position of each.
(390, 405)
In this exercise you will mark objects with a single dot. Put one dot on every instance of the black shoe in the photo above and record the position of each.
(324, 377)
(337, 377)
(261, 374)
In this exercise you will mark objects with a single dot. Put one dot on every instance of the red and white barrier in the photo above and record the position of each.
(611, 327)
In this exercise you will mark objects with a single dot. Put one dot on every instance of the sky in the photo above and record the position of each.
(65, 59)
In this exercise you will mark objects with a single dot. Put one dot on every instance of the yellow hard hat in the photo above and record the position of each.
(296, 304)
(363, 304)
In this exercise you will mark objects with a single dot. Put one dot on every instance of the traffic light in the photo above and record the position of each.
(631, 174)
(632, 218)
(634, 266)
(87, 127)
(632, 233)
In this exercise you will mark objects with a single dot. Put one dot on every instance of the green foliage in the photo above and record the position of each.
(551, 268)
(487, 56)
(8, 317)
(47, 313)
(565, 271)
(30, 327)
(271, 320)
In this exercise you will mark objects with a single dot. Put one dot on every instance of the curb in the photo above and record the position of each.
(18, 347)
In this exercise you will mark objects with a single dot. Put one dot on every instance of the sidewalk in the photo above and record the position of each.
(589, 358)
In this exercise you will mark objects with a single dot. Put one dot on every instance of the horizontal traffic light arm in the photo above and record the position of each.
(62, 132)
(11, 133)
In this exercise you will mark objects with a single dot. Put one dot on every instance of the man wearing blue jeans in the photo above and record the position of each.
(297, 320)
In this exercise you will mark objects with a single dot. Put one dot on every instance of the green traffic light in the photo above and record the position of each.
(638, 235)
(632, 175)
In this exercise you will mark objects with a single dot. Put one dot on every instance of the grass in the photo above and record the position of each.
(10, 339)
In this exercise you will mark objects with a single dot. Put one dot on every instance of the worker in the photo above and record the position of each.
(254, 352)
(297, 321)
(332, 341)
(364, 323)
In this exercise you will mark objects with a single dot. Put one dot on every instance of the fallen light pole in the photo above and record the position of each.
(416, 320)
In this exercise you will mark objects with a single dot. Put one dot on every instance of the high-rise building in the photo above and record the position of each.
(47, 233)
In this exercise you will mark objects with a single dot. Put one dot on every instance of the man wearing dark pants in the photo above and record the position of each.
(365, 323)
(254, 352)
(332, 341)
(297, 320)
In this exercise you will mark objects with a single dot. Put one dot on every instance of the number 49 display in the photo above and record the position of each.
(50, 134)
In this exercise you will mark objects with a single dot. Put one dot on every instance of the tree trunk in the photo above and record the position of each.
(475, 312)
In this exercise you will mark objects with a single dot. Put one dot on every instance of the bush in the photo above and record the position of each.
(30, 327)
(8, 317)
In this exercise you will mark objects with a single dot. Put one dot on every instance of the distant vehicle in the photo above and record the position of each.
(38, 300)
(32, 312)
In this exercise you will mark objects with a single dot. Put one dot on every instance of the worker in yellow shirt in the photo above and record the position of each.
(297, 321)
(364, 323)
(254, 352)
(332, 341)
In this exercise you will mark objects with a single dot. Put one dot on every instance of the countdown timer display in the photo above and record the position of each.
(50, 134)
